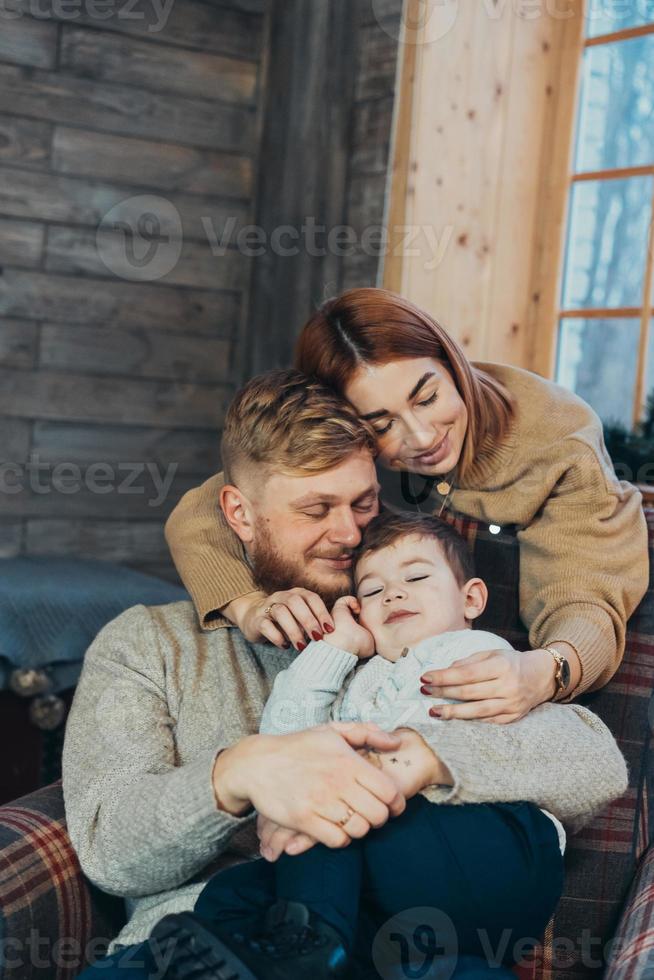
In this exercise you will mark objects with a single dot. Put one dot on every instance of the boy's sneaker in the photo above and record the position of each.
(288, 943)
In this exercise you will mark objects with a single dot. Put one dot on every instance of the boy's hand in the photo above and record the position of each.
(412, 766)
(275, 839)
(348, 634)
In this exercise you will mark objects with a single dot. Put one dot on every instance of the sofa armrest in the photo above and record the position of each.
(632, 947)
(52, 920)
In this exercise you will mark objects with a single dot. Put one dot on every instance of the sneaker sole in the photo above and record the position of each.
(195, 952)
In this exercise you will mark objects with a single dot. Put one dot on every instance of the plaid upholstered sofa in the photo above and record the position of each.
(53, 921)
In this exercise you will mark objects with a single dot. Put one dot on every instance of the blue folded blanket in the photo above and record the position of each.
(51, 609)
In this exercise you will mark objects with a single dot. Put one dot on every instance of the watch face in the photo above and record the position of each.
(565, 673)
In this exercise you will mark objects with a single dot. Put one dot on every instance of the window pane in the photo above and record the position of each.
(606, 16)
(649, 364)
(597, 359)
(607, 243)
(616, 113)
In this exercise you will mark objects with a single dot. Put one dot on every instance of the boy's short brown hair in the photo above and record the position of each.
(290, 423)
(387, 528)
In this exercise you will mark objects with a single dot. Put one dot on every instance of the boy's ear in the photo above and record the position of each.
(238, 512)
(475, 594)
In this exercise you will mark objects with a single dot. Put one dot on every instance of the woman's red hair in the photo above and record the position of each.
(375, 326)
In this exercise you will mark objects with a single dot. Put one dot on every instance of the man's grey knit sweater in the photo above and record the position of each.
(159, 698)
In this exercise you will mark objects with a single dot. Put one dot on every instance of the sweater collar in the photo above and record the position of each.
(491, 458)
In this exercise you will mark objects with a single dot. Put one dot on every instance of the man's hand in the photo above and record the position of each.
(310, 781)
(412, 766)
(349, 635)
(294, 616)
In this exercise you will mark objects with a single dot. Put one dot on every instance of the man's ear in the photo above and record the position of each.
(238, 512)
(475, 594)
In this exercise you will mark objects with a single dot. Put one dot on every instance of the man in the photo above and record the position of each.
(163, 767)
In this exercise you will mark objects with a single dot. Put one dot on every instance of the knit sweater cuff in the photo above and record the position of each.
(192, 800)
(210, 595)
(591, 631)
(322, 666)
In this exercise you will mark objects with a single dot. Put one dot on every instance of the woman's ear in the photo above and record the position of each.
(238, 512)
(475, 595)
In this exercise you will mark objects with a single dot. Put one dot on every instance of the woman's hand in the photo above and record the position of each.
(294, 616)
(349, 635)
(498, 686)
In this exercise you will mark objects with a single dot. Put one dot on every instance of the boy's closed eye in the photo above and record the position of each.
(376, 590)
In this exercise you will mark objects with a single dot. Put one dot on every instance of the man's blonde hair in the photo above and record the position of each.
(290, 423)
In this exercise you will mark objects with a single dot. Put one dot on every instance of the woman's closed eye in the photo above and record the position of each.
(423, 404)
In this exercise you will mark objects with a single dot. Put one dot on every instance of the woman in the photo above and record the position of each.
(492, 442)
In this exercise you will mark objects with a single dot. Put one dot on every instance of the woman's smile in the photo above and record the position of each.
(435, 454)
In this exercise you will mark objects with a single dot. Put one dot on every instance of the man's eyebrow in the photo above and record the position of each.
(412, 394)
(312, 499)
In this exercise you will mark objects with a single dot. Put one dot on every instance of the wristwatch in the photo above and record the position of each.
(562, 675)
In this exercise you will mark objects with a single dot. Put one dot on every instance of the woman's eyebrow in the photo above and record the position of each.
(419, 384)
(412, 394)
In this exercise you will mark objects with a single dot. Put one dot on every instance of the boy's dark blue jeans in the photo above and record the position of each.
(440, 893)
(473, 880)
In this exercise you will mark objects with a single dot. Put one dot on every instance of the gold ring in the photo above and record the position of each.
(350, 814)
(266, 611)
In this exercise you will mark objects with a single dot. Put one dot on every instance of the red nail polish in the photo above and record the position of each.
(316, 635)
(425, 690)
(435, 712)
(424, 680)
(327, 628)
(300, 647)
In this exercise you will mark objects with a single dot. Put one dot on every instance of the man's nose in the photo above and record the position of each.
(345, 530)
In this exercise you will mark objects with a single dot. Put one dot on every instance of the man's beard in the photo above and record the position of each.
(275, 573)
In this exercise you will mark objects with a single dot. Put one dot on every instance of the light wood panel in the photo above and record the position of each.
(481, 140)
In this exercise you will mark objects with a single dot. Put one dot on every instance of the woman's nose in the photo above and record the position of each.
(418, 437)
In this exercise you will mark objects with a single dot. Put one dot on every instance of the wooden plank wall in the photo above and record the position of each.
(111, 385)
(374, 102)
(327, 129)
(483, 139)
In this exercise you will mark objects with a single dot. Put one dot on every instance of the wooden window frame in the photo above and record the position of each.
(645, 311)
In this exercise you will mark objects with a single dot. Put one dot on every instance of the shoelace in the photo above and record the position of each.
(284, 943)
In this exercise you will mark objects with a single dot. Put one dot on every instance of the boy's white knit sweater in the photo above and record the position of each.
(325, 683)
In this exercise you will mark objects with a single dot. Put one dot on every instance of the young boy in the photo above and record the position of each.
(493, 873)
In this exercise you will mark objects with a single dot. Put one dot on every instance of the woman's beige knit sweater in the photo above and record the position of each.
(582, 533)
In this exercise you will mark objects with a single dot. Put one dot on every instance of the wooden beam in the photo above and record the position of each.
(624, 35)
